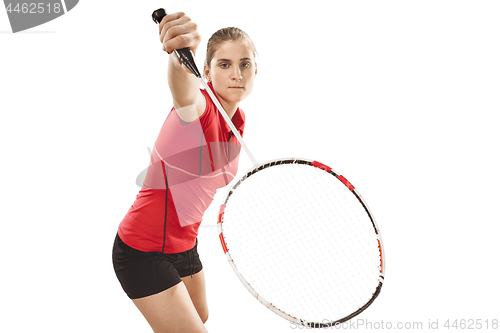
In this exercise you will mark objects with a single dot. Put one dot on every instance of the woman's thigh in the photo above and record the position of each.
(196, 287)
(171, 311)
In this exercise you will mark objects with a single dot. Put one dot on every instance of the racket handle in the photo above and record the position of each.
(185, 55)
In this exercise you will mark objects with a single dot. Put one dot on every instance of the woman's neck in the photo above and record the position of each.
(229, 108)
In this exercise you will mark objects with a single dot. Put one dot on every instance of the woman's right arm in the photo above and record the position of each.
(176, 32)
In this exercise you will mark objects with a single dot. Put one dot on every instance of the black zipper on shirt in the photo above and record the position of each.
(201, 150)
(228, 144)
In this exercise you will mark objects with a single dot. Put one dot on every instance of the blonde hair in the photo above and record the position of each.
(223, 35)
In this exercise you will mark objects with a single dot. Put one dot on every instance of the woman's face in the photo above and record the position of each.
(232, 71)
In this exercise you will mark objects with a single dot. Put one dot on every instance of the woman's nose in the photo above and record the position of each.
(236, 74)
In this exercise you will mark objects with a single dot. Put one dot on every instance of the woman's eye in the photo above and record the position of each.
(224, 65)
(245, 64)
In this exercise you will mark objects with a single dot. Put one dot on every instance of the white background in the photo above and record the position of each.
(401, 97)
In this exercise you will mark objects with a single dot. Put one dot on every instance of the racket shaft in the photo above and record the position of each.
(228, 121)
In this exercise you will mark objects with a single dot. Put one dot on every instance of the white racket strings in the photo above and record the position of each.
(303, 242)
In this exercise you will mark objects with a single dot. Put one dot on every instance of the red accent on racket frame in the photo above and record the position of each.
(381, 263)
(321, 166)
(223, 242)
(221, 212)
(346, 182)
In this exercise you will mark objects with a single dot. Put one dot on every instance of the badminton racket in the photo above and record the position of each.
(298, 235)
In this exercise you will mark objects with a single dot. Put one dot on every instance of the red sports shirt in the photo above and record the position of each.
(189, 162)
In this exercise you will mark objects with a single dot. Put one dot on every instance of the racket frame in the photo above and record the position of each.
(260, 298)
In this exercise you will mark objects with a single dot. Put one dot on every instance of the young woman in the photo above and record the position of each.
(155, 251)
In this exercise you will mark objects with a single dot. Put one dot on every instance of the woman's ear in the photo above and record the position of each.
(255, 68)
(206, 72)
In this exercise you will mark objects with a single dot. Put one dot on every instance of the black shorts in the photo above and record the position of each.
(143, 274)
